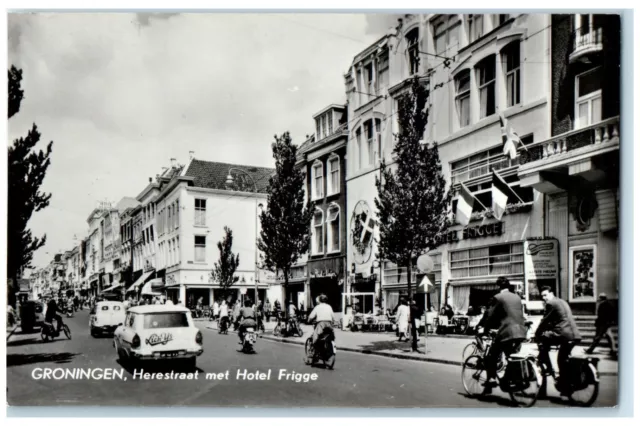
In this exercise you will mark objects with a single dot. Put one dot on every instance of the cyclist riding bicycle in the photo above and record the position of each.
(557, 327)
(506, 316)
(52, 313)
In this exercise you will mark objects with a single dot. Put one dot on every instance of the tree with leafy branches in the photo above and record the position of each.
(412, 203)
(224, 271)
(285, 233)
(27, 169)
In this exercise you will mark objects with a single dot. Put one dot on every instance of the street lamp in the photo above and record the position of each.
(230, 180)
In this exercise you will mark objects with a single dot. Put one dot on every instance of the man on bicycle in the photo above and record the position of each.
(506, 316)
(52, 313)
(556, 328)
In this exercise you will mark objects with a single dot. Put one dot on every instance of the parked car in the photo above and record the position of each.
(158, 332)
(105, 317)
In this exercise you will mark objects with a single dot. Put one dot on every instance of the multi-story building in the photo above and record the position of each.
(192, 208)
(95, 245)
(323, 159)
(576, 166)
(481, 66)
(370, 138)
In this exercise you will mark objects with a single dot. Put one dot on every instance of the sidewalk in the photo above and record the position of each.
(443, 350)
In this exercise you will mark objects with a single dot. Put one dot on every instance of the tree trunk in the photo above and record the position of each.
(285, 306)
(409, 280)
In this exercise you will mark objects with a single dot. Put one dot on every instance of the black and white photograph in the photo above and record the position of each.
(329, 210)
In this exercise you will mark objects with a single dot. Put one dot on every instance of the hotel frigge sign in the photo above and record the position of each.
(541, 259)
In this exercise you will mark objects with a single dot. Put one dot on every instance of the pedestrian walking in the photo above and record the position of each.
(415, 323)
(402, 319)
(606, 317)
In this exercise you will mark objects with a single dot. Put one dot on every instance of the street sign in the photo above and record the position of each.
(243, 290)
(425, 263)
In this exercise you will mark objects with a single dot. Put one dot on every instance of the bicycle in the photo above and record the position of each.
(521, 377)
(583, 383)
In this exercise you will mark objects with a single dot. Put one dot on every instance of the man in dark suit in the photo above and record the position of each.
(606, 318)
(506, 316)
(556, 328)
(414, 316)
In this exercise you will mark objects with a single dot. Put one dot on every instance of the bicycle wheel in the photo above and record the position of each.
(474, 376)
(470, 349)
(308, 356)
(588, 392)
(277, 330)
(299, 330)
(527, 396)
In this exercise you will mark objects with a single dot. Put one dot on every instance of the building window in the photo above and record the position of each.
(319, 128)
(330, 122)
(446, 34)
(368, 71)
(499, 19)
(463, 98)
(588, 98)
(200, 248)
(475, 27)
(491, 261)
(413, 50)
(318, 237)
(359, 147)
(177, 214)
(324, 127)
(333, 228)
(201, 212)
(378, 123)
(317, 180)
(487, 85)
(511, 60)
(334, 176)
(480, 164)
(370, 142)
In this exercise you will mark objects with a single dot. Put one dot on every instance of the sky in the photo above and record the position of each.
(121, 94)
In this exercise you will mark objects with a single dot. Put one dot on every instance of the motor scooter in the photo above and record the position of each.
(249, 340)
(324, 350)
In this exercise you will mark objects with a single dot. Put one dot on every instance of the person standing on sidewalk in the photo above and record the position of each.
(605, 319)
(415, 323)
(402, 319)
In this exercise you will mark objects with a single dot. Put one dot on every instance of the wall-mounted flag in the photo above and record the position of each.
(510, 139)
(500, 192)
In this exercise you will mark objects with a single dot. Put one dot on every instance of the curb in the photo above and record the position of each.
(12, 331)
(383, 354)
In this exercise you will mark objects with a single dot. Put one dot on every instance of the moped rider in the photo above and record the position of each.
(247, 318)
(322, 318)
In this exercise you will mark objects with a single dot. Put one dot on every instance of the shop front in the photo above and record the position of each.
(326, 277)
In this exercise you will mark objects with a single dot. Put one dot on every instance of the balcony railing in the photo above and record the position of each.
(585, 40)
(586, 37)
(604, 132)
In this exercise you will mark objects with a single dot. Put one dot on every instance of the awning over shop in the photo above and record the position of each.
(153, 287)
(139, 281)
(112, 288)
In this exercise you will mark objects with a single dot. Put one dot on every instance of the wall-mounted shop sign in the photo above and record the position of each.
(480, 231)
(471, 232)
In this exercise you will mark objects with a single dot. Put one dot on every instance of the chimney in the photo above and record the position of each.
(150, 180)
(191, 154)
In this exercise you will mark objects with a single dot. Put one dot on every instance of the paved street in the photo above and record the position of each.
(359, 380)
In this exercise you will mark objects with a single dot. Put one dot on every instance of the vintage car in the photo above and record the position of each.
(105, 317)
(158, 332)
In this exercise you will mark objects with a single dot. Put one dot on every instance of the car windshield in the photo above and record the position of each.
(166, 320)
